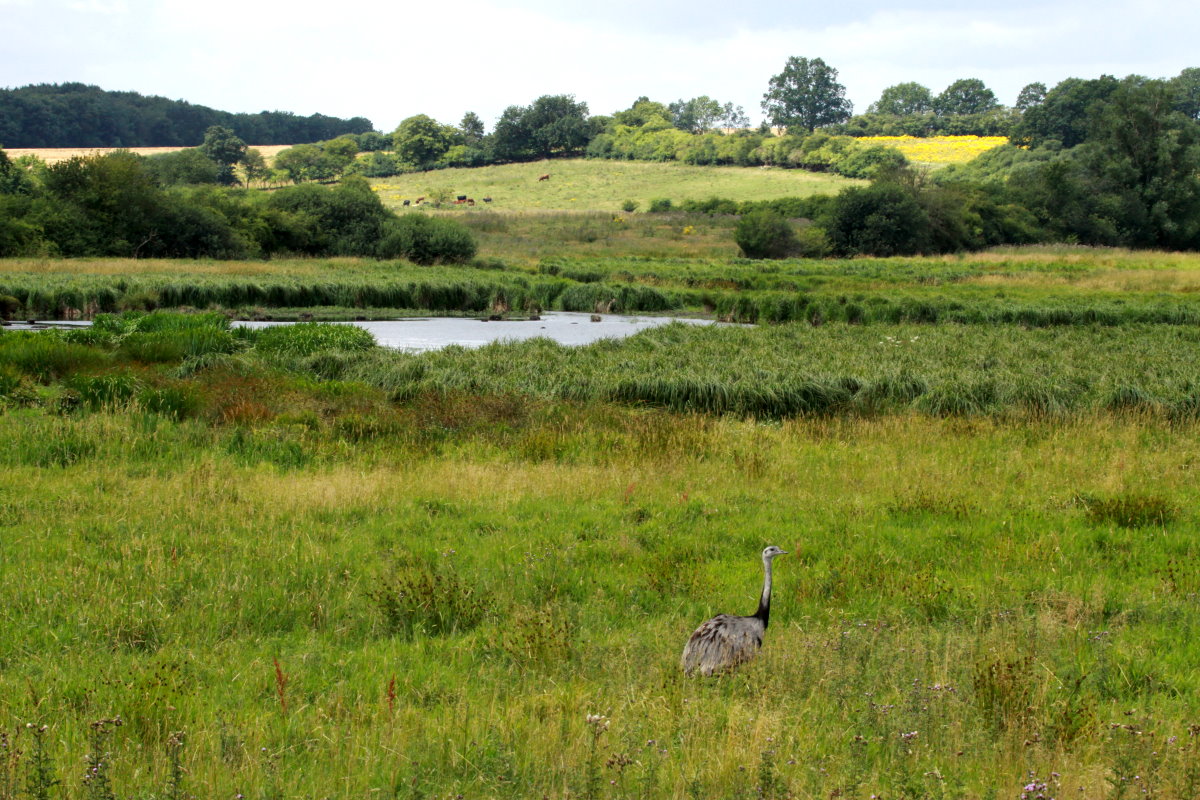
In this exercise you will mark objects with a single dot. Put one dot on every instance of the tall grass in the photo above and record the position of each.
(444, 622)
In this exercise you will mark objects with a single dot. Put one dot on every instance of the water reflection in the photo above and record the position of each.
(419, 334)
(431, 333)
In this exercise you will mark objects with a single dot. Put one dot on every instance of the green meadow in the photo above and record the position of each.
(289, 563)
(600, 185)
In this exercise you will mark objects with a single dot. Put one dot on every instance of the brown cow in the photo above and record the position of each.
(545, 177)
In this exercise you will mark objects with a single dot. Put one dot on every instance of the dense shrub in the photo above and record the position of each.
(423, 239)
(878, 220)
(765, 234)
(660, 205)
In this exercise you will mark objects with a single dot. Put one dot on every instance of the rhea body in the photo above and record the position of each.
(727, 640)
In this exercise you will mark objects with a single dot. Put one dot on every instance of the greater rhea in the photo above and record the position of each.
(727, 640)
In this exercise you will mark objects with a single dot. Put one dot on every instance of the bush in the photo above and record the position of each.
(660, 205)
(765, 234)
(423, 239)
(879, 220)
(630, 206)
(712, 206)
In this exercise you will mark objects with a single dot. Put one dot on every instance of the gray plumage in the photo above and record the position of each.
(726, 640)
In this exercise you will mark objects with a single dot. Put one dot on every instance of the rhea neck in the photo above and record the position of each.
(764, 602)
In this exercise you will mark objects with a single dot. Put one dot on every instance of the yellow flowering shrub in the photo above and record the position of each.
(938, 149)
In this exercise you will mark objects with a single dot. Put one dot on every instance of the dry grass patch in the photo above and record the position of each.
(53, 155)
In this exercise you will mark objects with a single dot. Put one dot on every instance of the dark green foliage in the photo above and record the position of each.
(660, 205)
(188, 166)
(879, 220)
(554, 125)
(1063, 116)
(421, 140)
(376, 165)
(765, 234)
(965, 96)
(806, 95)
(346, 220)
(423, 239)
(711, 206)
(903, 99)
(76, 115)
(1033, 94)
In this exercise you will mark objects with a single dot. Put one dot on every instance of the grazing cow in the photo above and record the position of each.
(545, 177)
(487, 199)
(461, 198)
(470, 202)
(406, 203)
(420, 199)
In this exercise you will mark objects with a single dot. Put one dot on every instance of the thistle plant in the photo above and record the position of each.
(97, 785)
(39, 772)
(597, 725)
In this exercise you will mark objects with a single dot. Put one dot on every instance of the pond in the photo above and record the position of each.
(419, 334)
(431, 333)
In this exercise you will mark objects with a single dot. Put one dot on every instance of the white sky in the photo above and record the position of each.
(390, 60)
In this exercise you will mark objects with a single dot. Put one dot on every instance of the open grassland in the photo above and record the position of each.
(53, 155)
(295, 565)
(938, 150)
(600, 185)
(333, 589)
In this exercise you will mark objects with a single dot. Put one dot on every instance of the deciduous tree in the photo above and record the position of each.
(421, 140)
(965, 96)
(902, 100)
(806, 95)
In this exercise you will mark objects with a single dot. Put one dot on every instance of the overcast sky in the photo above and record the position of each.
(390, 60)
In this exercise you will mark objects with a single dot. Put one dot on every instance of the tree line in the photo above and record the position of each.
(118, 204)
(78, 115)
(1106, 161)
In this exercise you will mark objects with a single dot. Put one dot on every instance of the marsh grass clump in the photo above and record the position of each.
(46, 356)
(308, 338)
(1130, 510)
(412, 596)
(272, 447)
(104, 392)
(959, 398)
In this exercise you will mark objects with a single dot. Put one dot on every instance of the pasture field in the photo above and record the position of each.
(602, 185)
(294, 566)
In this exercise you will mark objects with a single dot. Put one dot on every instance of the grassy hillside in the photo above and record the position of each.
(597, 185)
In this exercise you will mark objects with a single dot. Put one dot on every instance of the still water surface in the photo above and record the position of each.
(431, 333)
